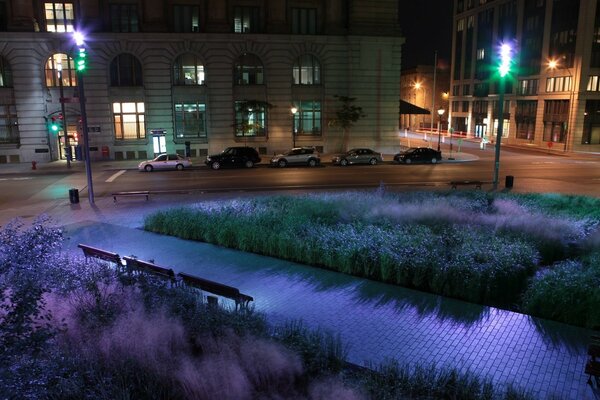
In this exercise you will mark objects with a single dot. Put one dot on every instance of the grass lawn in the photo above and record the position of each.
(535, 253)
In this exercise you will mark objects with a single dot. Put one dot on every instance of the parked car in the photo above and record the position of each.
(165, 161)
(419, 154)
(297, 156)
(358, 156)
(234, 157)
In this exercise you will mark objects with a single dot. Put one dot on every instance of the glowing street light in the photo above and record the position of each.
(294, 110)
(440, 112)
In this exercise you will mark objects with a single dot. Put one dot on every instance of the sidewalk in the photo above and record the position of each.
(375, 320)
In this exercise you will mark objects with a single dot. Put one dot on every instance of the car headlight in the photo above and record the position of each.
(208, 158)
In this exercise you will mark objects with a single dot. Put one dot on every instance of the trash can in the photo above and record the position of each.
(509, 181)
(74, 196)
(78, 153)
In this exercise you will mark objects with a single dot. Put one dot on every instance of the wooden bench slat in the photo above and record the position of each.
(90, 251)
(130, 194)
(149, 267)
(210, 286)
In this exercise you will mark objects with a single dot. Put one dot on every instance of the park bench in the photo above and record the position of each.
(241, 300)
(89, 251)
(477, 184)
(144, 193)
(135, 264)
(592, 367)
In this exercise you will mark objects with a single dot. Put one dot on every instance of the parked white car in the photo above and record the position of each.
(165, 161)
(297, 156)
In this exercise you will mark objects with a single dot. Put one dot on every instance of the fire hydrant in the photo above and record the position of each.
(33, 165)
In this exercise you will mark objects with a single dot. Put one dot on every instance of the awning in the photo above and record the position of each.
(408, 108)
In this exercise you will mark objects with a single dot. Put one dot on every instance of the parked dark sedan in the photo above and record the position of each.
(358, 156)
(419, 155)
(233, 157)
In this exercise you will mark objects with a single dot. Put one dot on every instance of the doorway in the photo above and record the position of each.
(159, 144)
(73, 142)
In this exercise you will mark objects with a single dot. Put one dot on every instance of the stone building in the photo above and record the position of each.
(205, 74)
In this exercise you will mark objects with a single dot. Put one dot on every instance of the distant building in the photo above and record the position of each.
(553, 98)
(416, 87)
(166, 75)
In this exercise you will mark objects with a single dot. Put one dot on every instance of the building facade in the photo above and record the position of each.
(552, 95)
(417, 88)
(196, 75)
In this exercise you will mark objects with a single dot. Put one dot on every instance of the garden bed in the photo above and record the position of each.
(502, 250)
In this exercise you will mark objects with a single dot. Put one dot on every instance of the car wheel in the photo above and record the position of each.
(249, 164)
(407, 161)
(373, 161)
(434, 160)
(148, 168)
(312, 162)
(179, 167)
(282, 164)
(215, 165)
(344, 162)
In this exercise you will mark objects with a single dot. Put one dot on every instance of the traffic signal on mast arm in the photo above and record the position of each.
(55, 124)
(506, 59)
(81, 59)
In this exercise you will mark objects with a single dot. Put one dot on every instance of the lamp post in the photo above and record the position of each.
(80, 68)
(440, 112)
(553, 64)
(294, 110)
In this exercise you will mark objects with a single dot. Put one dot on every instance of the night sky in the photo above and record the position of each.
(427, 26)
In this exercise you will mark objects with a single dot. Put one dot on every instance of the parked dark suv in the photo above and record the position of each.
(234, 157)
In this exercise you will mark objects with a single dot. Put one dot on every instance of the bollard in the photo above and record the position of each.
(74, 196)
(33, 165)
(509, 181)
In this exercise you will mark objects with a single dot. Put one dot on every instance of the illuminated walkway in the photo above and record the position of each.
(376, 321)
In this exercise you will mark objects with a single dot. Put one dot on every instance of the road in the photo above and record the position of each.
(536, 172)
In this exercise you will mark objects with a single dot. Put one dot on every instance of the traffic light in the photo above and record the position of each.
(80, 59)
(505, 59)
(56, 123)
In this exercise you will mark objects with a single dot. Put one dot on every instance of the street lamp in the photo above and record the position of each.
(294, 110)
(553, 65)
(440, 112)
(59, 71)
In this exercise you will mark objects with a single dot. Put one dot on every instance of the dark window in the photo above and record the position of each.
(60, 17)
(555, 120)
(465, 106)
(304, 21)
(188, 70)
(124, 18)
(307, 71)
(186, 18)
(458, 40)
(125, 70)
(591, 123)
(5, 74)
(3, 16)
(9, 132)
(485, 22)
(248, 70)
(466, 90)
(307, 120)
(190, 120)
(525, 119)
(595, 60)
(246, 19)
(563, 31)
(250, 119)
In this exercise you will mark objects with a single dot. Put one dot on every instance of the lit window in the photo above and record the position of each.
(480, 54)
(59, 17)
(246, 19)
(129, 121)
(307, 71)
(592, 83)
(54, 64)
(188, 70)
(125, 70)
(307, 120)
(250, 118)
(190, 120)
(5, 74)
(248, 70)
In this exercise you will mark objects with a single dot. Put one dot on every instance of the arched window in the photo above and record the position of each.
(54, 64)
(188, 70)
(5, 74)
(248, 70)
(307, 70)
(125, 70)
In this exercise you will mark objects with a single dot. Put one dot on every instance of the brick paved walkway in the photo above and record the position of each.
(376, 321)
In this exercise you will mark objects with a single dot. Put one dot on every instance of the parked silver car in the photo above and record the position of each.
(297, 156)
(165, 161)
(358, 156)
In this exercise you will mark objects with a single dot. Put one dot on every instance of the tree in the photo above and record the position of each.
(346, 116)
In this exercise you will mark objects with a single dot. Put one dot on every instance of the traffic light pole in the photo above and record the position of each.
(85, 132)
(499, 130)
(64, 117)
